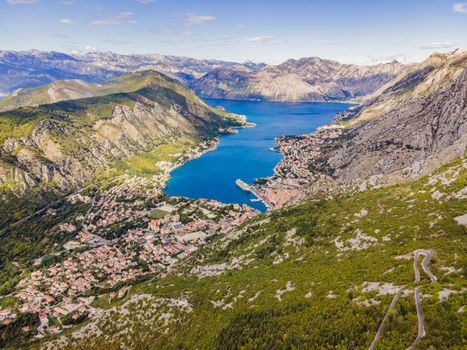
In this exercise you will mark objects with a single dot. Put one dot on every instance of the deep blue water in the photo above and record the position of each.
(246, 155)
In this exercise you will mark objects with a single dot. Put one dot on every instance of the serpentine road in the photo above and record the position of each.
(426, 260)
(427, 255)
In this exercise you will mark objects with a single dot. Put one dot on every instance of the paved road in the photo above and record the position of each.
(421, 324)
(426, 260)
(379, 333)
(427, 255)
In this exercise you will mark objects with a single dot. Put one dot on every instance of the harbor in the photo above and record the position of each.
(247, 188)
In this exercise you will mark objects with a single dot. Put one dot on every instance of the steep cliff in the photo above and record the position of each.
(413, 125)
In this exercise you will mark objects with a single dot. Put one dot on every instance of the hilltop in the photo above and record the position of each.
(65, 144)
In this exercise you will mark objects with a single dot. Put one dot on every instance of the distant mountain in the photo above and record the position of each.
(185, 69)
(33, 68)
(65, 144)
(27, 69)
(306, 79)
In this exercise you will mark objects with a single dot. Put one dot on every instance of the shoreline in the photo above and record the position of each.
(278, 101)
(281, 190)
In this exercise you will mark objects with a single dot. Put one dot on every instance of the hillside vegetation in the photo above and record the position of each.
(317, 276)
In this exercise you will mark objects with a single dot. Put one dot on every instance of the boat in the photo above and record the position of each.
(244, 186)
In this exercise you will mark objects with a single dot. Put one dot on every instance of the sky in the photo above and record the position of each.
(270, 31)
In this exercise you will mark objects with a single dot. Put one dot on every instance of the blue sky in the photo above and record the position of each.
(351, 31)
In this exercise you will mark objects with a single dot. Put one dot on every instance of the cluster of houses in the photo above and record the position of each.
(295, 170)
(169, 232)
(155, 235)
(301, 151)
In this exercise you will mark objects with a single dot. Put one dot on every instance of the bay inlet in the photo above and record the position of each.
(247, 154)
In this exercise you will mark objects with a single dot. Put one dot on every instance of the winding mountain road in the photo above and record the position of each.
(426, 260)
(427, 255)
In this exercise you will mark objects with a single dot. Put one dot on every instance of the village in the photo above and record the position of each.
(130, 231)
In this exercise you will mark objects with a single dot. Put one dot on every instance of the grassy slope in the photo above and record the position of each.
(306, 318)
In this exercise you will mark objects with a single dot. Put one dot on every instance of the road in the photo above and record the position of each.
(421, 324)
(427, 255)
(379, 333)
(426, 260)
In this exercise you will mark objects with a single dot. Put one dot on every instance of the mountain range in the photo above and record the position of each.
(27, 69)
(306, 79)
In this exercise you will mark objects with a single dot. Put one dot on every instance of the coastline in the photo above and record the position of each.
(279, 190)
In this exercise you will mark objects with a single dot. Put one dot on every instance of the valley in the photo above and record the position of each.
(122, 226)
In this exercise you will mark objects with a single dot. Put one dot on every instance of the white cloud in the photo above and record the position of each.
(261, 38)
(145, 1)
(240, 25)
(122, 17)
(434, 46)
(67, 2)
(66, 21)
(15, 2)
(194, 20)
(460, 7)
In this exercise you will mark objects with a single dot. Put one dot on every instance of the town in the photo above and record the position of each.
(302, 156)
(130, 231)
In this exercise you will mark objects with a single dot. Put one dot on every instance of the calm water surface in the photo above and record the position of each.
(246, 155)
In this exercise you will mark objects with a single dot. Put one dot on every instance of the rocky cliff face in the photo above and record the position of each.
(306, 79)
(68, 142)
(416, 123)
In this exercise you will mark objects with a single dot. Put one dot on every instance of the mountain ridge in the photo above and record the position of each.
(309, 79)
(304, 79)
(67, 142)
